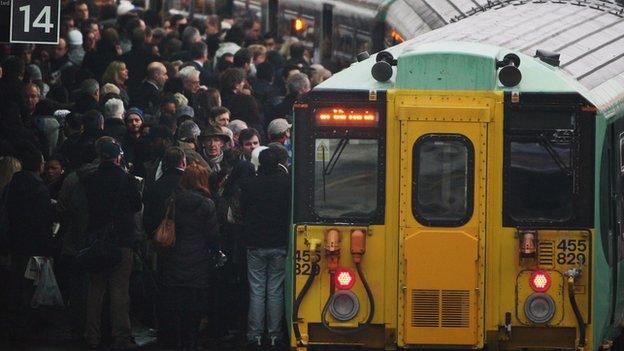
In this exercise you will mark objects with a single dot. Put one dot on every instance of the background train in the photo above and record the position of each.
(337, 30)
(465, 189)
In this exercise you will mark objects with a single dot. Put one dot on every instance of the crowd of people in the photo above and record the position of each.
(132, 114)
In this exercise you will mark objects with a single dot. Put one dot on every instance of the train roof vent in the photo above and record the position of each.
(549, 57)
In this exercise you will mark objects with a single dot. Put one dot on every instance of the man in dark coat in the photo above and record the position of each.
(89, 96)
(148, 95)
(113, 198)
(137, 60)
(265, 204)
(155, 199)
(29, 215)
(199, 57)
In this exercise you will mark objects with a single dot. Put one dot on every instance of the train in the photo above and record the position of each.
(337, 30)
(464, 189)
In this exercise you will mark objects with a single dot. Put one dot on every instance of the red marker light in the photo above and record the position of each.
(344, 278)
(540, 281)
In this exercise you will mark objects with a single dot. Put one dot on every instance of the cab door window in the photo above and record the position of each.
(443, 166)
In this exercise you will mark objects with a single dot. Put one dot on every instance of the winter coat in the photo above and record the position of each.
(265, 206)
(189, 262)
(115, 127)
(243, 107)
(73, 209)
(29, 215)
(155, 199)
(113, 197)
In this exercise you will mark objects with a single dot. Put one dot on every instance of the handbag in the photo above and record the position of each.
(164, 236)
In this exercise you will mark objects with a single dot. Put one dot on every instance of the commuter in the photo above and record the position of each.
(206, 100)
(117, 74)
(199, 57)
(132, 138)
(29, 221)
(243, 59)
(84, 150)
(190, 80)
(89, 96)
(148, 94)
(155, 196)
(249, 139)
(239, 101)
(159, 139)
(236, 126)
(72, 209)
(296, 85)
(186, 269)
(54, 174)
(264, 200)
(113, 198)
(137, 60)
(113, 123)
(218, 117)
(188, 132)
(279, 132)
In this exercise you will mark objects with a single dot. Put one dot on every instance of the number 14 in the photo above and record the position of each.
(43, 20)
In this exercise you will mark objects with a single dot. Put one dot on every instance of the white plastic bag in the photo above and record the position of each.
(47, 292)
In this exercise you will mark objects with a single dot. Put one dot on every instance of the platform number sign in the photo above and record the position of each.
(35, 21)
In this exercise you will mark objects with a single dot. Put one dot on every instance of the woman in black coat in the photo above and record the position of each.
(186, 268)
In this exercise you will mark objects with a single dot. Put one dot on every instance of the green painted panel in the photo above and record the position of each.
(446, 71)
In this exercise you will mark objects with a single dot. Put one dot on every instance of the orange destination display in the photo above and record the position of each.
(357, 117)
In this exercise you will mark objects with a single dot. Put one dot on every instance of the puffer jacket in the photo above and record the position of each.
(189, 263)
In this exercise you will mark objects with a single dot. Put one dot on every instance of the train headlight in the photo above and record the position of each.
(344, 305)
(540, 281)
(539, 308)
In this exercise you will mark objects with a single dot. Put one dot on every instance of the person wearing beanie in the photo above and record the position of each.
(133, 120)
(76, 51)
(113, 119)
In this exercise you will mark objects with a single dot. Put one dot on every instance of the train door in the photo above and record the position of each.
(442, 221)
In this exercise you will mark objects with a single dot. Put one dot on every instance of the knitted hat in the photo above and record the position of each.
(135, 111)
(74, 37)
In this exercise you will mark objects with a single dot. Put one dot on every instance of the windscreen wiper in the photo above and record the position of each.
(333, 160)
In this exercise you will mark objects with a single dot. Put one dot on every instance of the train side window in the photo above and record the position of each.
(442, 186)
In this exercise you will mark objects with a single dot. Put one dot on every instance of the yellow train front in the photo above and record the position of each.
(457, 195)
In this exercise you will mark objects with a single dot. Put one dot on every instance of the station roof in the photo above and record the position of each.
(589, 35)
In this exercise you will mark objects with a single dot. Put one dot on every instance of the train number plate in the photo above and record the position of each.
(572, 251)
(303, 264)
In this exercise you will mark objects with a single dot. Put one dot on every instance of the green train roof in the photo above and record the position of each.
(461, 55)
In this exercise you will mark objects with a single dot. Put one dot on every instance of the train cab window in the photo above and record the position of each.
(345, 178)
(443, 167)
(540, 180)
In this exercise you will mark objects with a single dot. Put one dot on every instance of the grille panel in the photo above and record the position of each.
(455, 308)
(546, 253)
(425, 308)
